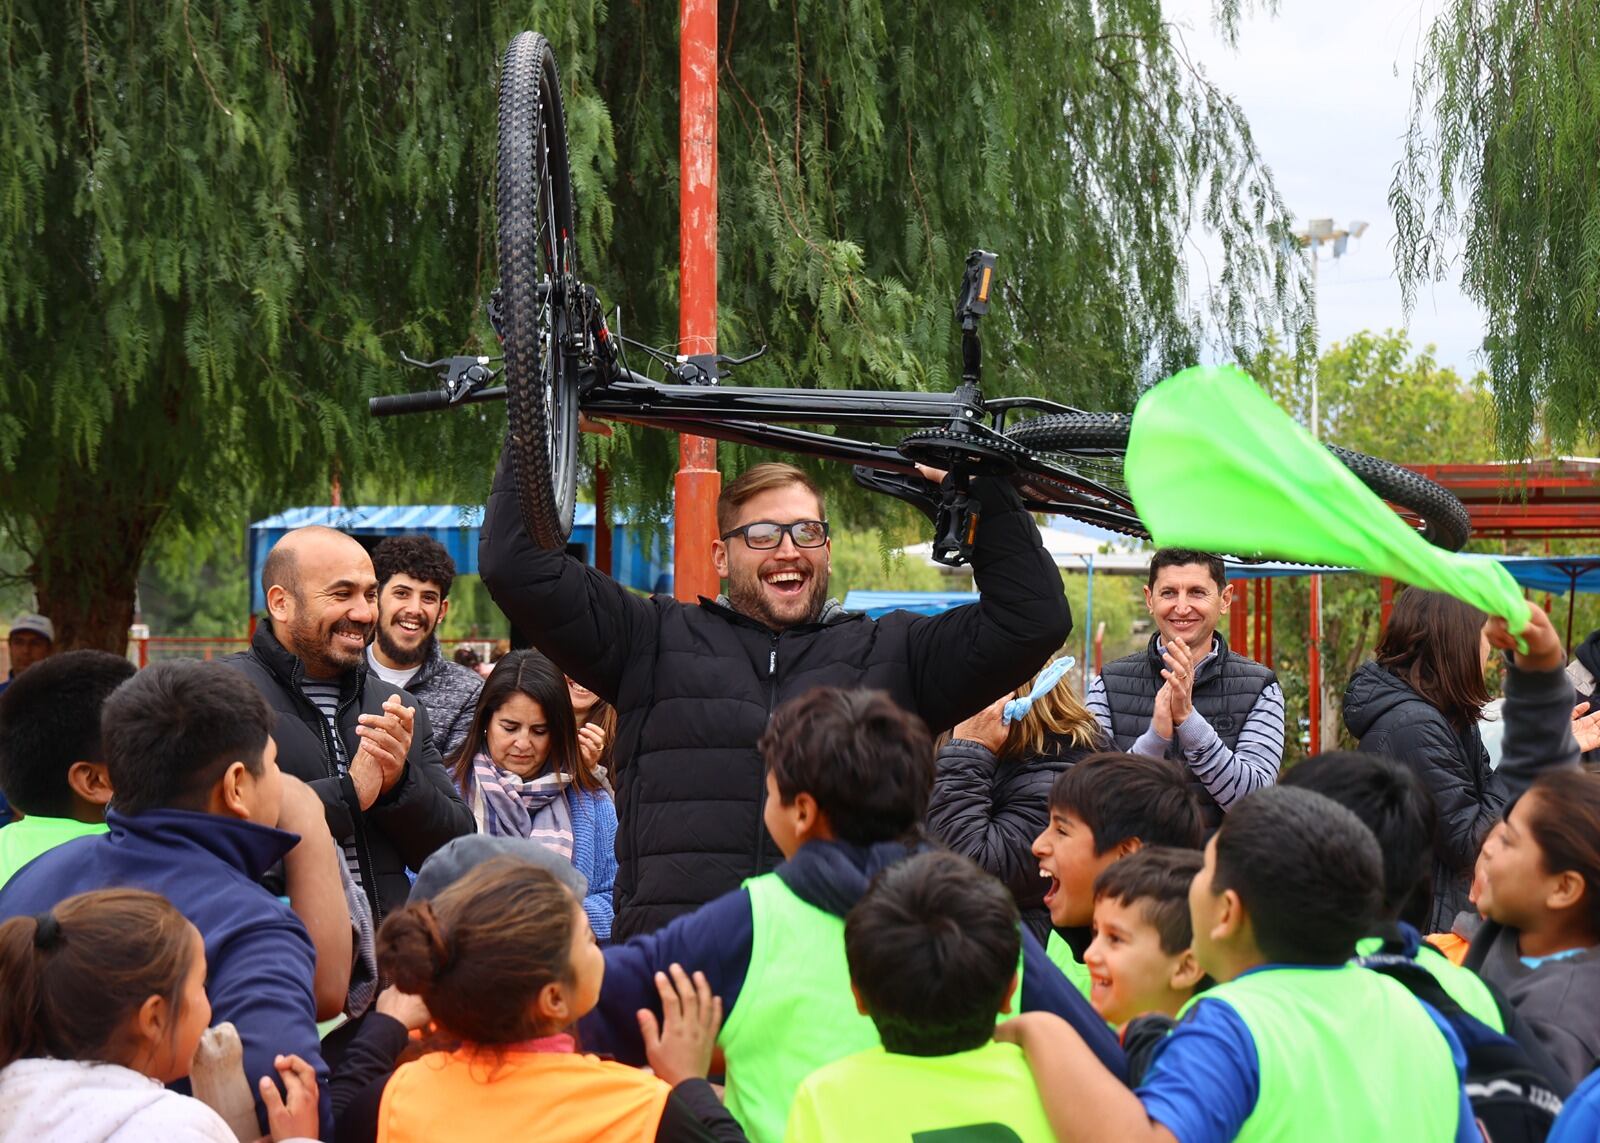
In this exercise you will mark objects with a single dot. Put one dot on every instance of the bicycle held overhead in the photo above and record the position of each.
(561, 358)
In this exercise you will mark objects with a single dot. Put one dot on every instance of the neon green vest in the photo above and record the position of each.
(22, 841)
(795, 1011)
(1344, 1054)
(1462, 985)
(986, 1095)
(1060, 954)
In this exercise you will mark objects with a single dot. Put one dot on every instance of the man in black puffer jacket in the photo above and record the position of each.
(694, 684)
(388, 798)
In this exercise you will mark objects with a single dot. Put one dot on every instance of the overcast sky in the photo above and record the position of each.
(1327, 93)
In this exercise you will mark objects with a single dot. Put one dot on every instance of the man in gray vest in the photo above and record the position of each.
(1187, 696)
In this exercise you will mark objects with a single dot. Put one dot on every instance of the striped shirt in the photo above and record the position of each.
(325, 697)
(1227, 775)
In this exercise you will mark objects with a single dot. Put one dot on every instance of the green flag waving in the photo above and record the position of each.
(1213, 464)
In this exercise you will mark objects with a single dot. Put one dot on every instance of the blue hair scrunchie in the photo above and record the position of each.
(1048, 678)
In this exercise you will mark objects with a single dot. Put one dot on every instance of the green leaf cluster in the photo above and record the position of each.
(1500, 172)
(220, 223)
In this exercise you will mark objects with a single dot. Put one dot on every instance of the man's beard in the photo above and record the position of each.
(747, 597)
(403, 656)
(318, 650)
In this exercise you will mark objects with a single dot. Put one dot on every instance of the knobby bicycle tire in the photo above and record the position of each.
(1445, 522)
(534, 216)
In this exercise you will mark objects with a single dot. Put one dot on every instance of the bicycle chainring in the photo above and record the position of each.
(944, 448)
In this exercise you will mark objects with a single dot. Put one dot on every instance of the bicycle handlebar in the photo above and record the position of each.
(427, 402)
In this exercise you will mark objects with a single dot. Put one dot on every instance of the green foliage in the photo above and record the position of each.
(1378, 397)
(220, 223)
(1499, 160)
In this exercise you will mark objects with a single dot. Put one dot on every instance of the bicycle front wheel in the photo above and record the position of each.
(534, 209)
(1091, 447)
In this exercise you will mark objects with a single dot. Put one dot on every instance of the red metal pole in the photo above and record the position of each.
(1268, 659)
(602, 519)
(1256, 651)
(1314, 679)
(1385, 603)
(698, 483)
(1239, 615)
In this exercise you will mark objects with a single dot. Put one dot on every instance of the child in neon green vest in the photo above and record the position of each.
(51, 766)
(1141, 962)
(1102, 809)
(1294, 1043)
(848, 779)
(1390, 800)
(932, 950)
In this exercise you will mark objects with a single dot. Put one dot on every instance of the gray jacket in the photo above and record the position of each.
(450, 692)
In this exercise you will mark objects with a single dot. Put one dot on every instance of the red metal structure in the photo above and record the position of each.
(698, 483)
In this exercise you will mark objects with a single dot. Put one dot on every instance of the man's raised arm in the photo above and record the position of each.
(582, 618)
(969, 656)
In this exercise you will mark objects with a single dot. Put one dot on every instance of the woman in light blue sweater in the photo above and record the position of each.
(522, 773)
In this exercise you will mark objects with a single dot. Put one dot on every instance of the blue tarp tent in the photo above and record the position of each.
(880, 603)
(637, 560)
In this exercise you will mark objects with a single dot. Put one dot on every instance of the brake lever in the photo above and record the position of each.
(459, 377)
(730, 362)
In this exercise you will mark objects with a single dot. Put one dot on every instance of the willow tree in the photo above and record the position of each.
(220, 223)
(1499, 171)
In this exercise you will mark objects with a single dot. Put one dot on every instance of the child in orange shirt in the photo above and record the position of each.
(506, 963)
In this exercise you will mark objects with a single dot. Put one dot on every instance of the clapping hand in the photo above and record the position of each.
(381, 758)
(680, 1047)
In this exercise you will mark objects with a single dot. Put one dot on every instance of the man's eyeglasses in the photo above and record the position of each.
(764, 534)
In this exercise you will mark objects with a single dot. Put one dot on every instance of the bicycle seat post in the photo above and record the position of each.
(971, 306)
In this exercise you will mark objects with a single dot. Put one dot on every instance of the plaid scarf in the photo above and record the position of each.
(525, 807)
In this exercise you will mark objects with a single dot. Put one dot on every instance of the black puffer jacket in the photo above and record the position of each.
(1392, 719)
(991, 811)
(694, 685)
(403, 827)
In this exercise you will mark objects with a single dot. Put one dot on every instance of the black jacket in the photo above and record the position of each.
(404, 826)
(693, 686)
(1390, 718)
(991, 811)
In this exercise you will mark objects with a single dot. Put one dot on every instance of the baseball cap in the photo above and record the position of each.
(455, 859)
(38, 624)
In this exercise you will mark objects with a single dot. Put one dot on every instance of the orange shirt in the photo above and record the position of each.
(554, 1097)
(1453, 947)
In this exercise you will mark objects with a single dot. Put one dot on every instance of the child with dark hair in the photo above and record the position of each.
(105, 1001)
(201, 813)
(1541, 888)
(1393, 803)
(1101, 810)
(847, 781)
(1294, 1042)
(51, 764)
(506, 962)
(1141, 962)
(932, 949)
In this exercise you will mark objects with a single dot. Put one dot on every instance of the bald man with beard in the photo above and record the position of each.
(364, 745)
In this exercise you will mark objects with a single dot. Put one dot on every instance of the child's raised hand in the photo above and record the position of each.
(1544, 651)
(680, 1047)
(294, 1116)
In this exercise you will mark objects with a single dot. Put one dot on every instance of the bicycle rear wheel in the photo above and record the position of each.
(1091, 446)
(534, 209)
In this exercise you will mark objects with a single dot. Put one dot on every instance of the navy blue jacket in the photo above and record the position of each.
(716, 939)
(259, 960)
